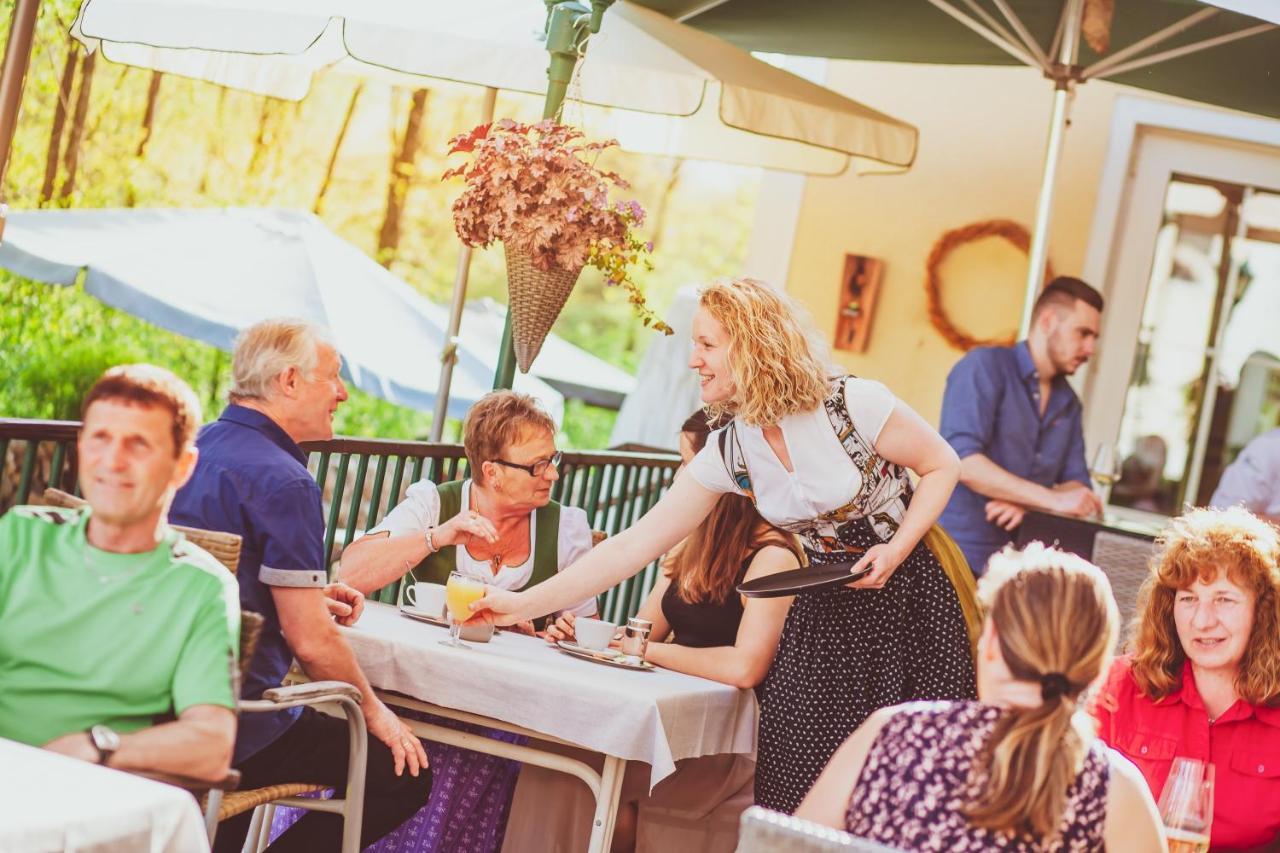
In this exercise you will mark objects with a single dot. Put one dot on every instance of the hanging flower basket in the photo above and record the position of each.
(536, 297)
(536, 188)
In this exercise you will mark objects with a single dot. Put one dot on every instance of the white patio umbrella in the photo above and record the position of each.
(569, 369)
(666, 390)
(732, 107)
(207, 274)
(743, 110)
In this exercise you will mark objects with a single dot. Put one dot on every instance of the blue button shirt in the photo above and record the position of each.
(252, 479)
(992, 406)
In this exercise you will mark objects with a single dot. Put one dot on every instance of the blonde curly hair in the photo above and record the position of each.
(771, 352)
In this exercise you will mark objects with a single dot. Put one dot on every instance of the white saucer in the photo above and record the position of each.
(612, 657)
(424, 616)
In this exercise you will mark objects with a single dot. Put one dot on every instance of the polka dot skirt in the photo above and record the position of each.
(846, 652)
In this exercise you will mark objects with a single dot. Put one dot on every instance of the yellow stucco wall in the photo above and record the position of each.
(982, 138)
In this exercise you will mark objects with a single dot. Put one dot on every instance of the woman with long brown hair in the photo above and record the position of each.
(1019, 769)
(715, 633)
(703, 627)
(1203, 677)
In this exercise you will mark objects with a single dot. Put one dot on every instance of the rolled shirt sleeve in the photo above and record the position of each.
(419, 510)
(293, 538)
(574, 542)
(207, 672)
(969, 405)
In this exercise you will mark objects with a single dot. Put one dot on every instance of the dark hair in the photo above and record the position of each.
(700, 424)
(147, 385)
(1065, 291)
(704, 567)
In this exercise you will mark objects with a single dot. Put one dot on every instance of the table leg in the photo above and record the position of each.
(607, 804)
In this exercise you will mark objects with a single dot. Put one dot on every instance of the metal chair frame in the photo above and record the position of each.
(334, 694)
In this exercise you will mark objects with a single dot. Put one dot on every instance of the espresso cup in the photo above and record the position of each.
(426, 598)
(593, 633)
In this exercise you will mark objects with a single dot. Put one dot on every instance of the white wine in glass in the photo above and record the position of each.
(1186, 805)
(1105, 469)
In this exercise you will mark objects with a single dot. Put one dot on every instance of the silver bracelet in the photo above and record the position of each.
(431, 543)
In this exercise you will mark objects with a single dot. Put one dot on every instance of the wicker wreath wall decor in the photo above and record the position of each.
(949, 241)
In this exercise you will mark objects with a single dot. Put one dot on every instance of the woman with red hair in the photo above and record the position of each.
(1203, 677)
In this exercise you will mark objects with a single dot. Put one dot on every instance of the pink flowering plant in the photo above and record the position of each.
(537, 189)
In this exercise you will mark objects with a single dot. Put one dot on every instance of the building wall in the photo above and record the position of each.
(982, 138)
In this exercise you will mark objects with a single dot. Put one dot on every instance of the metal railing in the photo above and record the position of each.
(361, 479)
(35, 455)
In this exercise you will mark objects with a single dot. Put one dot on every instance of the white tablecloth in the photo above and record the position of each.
(50, 802)
(657, 717)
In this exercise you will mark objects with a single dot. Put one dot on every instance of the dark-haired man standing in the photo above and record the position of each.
(1015, 422)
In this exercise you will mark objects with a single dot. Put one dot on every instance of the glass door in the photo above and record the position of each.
(1205, 375)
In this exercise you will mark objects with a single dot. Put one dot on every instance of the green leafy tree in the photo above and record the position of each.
(208, 146)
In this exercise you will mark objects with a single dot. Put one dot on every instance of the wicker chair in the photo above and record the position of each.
(1126, 561)
(764, 831)
(221, 800)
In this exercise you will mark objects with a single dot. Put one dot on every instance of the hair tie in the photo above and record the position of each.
(1053, 685)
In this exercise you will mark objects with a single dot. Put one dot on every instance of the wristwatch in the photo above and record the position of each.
(105, 740)
(429, 535)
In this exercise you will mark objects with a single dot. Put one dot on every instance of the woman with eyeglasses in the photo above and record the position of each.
(500, 525)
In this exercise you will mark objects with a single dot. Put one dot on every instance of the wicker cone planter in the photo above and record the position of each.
(536, 297)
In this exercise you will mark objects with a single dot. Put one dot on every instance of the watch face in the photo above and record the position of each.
(105, 739)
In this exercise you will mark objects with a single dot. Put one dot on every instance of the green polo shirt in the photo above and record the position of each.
(89, 636)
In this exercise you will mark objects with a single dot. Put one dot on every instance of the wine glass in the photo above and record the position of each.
(1186, 805)
(1105, 469)
(459, 593)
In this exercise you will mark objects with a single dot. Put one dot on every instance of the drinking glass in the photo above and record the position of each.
(1105, 469)
(1186, 805)
(459, 593)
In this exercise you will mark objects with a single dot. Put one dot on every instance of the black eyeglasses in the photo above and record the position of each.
(537, 469)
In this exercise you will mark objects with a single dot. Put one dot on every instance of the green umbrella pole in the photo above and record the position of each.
(506, 372)
(568, 25)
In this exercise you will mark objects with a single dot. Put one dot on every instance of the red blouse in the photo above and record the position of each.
(1243, 745)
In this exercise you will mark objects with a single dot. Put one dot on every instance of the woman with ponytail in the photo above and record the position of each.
(1019, 769)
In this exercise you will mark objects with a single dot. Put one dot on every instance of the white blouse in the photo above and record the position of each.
(823, 477)
(420, 509)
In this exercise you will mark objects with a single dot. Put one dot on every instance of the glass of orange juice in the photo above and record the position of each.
(459, 593)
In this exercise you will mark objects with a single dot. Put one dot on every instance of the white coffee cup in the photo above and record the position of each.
(426, 598)
(593, 633)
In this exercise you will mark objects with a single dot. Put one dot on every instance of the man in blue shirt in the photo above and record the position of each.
(251, 478)
(1014, 421)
